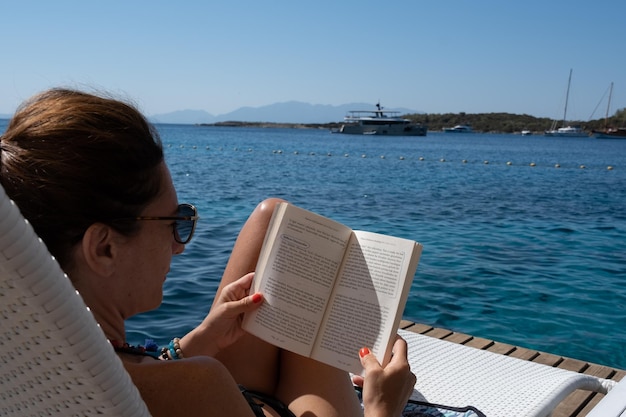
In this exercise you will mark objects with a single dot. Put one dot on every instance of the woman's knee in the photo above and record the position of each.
(266, 207)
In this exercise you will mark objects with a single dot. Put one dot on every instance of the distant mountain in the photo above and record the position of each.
(286, 112)
(183, 117)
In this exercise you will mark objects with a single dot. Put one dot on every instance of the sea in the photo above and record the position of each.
(524, 236)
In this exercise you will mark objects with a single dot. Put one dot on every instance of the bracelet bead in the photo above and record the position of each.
(172, 351)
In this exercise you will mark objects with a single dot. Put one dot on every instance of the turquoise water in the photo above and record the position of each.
(529, 255)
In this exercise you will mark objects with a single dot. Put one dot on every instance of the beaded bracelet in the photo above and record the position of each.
(172, 351)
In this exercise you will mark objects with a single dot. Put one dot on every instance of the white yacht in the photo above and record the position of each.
(566, 131)
(379, 122)
(458, 129)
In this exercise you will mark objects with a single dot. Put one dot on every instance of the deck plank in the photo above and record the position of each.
(577, 404)
(460, 338)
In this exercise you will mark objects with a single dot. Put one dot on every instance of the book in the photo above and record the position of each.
(330, 290)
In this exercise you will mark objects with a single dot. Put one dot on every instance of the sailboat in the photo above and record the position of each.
(566, 131)
(609, 133)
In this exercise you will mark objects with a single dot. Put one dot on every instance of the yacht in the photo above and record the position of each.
(458, 129)
(619, 133)
(609, 132)
(379, 122)
(566, 131)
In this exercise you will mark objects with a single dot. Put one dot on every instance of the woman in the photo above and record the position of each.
(89, 174)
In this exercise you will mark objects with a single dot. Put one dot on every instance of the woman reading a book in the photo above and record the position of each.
(88, 172)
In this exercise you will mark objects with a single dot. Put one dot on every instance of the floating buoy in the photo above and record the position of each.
(346, 155)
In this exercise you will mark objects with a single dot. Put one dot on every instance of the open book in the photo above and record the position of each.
(329, 290)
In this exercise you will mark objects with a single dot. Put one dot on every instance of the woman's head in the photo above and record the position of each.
(70, 159)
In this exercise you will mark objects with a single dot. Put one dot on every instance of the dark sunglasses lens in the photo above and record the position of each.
(184, 228)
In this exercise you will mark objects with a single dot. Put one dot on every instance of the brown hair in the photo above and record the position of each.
(70, 159)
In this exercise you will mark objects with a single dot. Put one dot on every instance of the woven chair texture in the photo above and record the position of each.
(500, 386)
(54, 358)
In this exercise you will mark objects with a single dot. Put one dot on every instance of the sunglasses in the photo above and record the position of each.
(184, 225)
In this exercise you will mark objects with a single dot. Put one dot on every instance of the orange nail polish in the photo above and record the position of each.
(256, 298)
(364, 352)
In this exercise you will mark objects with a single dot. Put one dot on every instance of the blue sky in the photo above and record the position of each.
(433, 56)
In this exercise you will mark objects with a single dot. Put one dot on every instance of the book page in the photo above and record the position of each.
(296, 273)
(368, 299)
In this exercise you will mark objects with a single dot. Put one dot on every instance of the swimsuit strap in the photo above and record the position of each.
(277, 405)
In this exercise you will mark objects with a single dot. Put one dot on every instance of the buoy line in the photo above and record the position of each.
(419, 159)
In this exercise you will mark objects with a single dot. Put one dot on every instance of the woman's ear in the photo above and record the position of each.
(98, 248)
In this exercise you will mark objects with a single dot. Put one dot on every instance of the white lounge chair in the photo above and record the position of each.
(54, 358)
(499, 386)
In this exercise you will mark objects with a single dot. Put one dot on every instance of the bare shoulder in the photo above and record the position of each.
(198, 386)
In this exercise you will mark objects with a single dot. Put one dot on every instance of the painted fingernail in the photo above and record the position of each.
(364, 352)
(256, 298)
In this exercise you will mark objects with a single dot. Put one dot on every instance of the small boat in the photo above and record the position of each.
(379, 122)
(526, 133)
(566, 131)
(607, 132)
(458, 129)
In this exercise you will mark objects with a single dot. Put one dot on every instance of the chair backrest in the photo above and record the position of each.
(54, 358)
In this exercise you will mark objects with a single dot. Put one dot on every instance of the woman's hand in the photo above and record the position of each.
(222, 326)
(386, 390)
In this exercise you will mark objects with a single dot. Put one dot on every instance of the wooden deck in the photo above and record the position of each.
(577, 404)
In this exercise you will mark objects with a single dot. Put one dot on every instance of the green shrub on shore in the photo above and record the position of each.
(508, 122)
